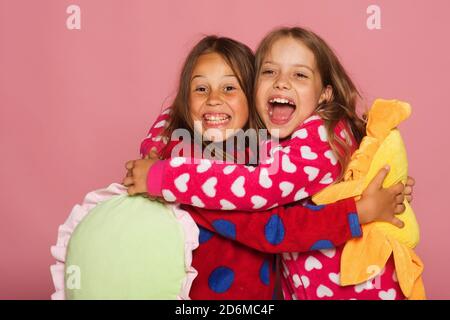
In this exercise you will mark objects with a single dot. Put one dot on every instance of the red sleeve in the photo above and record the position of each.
(295, 228)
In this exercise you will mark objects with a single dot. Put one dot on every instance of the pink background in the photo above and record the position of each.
(74, 104)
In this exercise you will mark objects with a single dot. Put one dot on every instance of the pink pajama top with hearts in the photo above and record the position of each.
(291, 171)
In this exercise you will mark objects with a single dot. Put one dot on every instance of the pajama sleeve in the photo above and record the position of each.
(154, 138)
(295, 228)
(291, 172)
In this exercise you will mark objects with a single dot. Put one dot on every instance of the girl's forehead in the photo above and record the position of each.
(288, 50)
(212, 65)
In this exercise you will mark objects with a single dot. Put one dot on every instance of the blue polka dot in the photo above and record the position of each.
(264, 273)
(221, 279)
(322, 244)
(314, 207)
(204, 235)
(274, 230)
(355, 228)
(225, 228)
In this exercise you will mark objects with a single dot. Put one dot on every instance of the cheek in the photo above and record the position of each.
(240, 111)
(260, 98)
(194, 107)
(243, 117)
(237, 102)
(309, 95)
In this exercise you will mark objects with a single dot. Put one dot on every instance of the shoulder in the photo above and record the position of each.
(311, 129)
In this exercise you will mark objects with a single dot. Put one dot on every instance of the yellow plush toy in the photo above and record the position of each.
(382, 145)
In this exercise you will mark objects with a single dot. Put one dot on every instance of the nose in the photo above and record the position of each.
(214, 99)
(282, 83)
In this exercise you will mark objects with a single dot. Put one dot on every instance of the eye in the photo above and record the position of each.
(200, 89)
(301, 75)
(267, 72)
(229, 88)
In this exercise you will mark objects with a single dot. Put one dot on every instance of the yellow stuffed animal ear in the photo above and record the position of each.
(386, 115)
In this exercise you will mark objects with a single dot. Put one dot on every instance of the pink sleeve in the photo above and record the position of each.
(304, 166)
(154, 138)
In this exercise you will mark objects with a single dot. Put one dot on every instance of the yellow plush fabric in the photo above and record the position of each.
(382, 145)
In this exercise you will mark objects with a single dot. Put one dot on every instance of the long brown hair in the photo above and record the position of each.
(241, 60)
(342, 105)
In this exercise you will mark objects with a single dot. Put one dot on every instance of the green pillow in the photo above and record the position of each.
(126, 248)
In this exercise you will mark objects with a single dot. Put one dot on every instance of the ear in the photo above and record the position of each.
(326, 95)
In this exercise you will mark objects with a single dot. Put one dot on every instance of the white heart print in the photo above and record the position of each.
(387, 295)
(297, 281)
(305, 281)
(229, 169)
(264, 179)
(328, 252)
(197, 202)
(302, 134)
(324, 291)
(286, 188)
(287, 165)
(203, 166)
(323, 133)
(335, 278)
(312, 172)
(209, 187)
(161, 124)
(366, 285)
(176, 162)
(258, 202)
(238, 187)
(181, 182)
(330, 155)
(326, 179)
(227, 205)
(307, 153)
(301, 194)
(312, 263)
(168, 195)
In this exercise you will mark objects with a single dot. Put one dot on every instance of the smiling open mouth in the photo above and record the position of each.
(215, 119)
(281, 110)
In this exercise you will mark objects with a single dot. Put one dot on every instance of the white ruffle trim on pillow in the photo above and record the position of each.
(92, 199)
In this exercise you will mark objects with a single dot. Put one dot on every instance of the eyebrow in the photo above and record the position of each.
(294, 65)
(202, 76)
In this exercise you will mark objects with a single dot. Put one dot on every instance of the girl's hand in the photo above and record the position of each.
(161, 200)
(136, 178)
(380, 204)
(410, 182)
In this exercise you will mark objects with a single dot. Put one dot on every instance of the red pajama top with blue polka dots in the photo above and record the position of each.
(235, 258)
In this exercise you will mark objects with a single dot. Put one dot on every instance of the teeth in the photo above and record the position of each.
(215, 118)
(281, 100)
